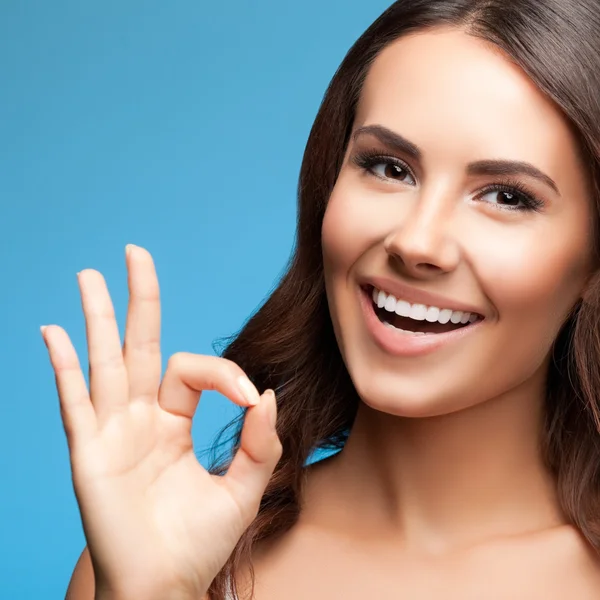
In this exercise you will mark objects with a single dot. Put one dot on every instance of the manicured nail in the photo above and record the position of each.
(248, 390)
(42, 329)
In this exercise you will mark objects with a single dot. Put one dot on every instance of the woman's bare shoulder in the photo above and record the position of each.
(580, 573)
(555, 563)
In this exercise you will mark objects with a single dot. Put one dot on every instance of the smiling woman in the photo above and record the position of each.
(438, 324)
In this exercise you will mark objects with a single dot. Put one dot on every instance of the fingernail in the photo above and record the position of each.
(128, 249)
(248, 390)
(42, 329)
(272, 408)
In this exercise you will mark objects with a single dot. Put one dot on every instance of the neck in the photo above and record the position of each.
(450, 480)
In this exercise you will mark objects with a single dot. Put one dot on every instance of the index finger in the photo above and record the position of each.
(187, 375)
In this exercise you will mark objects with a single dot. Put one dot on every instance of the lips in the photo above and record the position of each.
(406, 342)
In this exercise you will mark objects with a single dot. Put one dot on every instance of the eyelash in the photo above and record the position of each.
(366, 160)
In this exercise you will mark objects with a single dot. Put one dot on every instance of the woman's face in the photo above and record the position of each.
(462, 191)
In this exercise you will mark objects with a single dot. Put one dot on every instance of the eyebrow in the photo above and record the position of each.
(497, 167)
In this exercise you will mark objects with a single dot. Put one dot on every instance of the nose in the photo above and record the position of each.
(424, 244)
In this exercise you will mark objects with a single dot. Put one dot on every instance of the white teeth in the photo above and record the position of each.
(402, 308)
(420, 312)
(445, 315)
(456, 317)
(432, 314)
(405, 331)
(390, 304)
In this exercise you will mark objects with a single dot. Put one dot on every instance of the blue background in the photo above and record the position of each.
(179, 126)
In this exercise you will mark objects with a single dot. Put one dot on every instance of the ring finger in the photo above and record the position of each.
(108, 377)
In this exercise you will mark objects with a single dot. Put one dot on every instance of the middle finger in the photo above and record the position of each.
(141, 350)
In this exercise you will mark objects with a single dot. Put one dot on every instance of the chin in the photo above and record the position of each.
(396, 396)
(403, 407)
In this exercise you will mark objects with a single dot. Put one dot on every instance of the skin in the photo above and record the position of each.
(441, 490)
(157, 524)
(443, 464)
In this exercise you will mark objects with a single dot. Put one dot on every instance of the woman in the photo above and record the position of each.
(438, 324)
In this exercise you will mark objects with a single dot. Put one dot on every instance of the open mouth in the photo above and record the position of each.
(417, 319)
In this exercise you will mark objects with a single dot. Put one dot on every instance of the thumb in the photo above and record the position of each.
(257, 457)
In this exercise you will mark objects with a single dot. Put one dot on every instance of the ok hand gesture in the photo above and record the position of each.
(157, 524)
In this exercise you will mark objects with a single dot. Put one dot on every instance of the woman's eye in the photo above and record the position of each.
(509, 198)
(392, 170)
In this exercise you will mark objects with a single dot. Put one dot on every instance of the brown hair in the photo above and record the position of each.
(289, 344)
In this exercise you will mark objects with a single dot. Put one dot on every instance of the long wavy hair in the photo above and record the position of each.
(289, 344)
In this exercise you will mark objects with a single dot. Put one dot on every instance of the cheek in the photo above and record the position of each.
(353, 223)
(341, 236)
(346, 234)
(533, 277)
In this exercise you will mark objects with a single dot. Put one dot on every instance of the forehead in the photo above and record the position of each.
(461, 99)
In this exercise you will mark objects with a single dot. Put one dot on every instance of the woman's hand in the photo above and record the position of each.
(157, 524)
